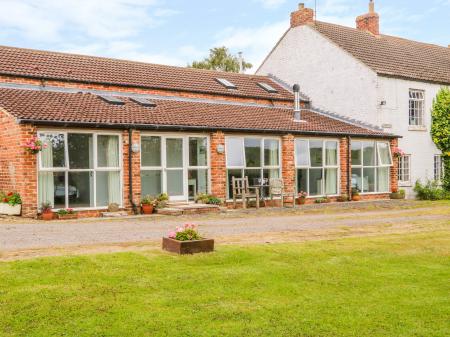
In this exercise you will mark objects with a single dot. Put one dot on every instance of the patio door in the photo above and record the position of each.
(174, 177)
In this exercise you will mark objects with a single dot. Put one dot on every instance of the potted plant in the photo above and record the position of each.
(10, 203)
(355, 195)
(46, 209)
(161, 201)
(342, 198)
(148, 204)
(34, 146)
(397, 152)
(66, 214)
(202, 198)
(302, 197)
(324, 200)
(398, 194)
(187, 240)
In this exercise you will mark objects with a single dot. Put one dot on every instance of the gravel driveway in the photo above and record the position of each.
(33, 234)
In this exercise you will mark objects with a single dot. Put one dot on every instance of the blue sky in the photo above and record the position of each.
(179, 31)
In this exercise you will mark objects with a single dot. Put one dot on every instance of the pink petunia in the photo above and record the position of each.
(172, 235)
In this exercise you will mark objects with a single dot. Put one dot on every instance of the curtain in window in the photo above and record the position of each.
(113, 177)
(46, 183)
(331, 181)
(271, 152)
(331, 153)
(383, 179)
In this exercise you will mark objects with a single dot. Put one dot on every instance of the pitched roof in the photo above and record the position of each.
(99, 70)
(391, 56)
(63, 108)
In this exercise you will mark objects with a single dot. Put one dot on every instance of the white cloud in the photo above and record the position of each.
(271, 3)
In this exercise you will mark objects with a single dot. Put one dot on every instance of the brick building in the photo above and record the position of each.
(116, 130)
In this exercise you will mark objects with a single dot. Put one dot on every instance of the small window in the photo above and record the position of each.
(268, 88)
(416, 107)
(404, 169)
(438, 168)
(144, 102)
(227, 84)
(384, 154)
(111, 100)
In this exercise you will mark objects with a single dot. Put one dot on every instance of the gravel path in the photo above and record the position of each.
(17, 236)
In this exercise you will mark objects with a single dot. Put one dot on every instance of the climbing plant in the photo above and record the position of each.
(440, 130)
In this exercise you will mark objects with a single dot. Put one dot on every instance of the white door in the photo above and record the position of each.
(174, 168)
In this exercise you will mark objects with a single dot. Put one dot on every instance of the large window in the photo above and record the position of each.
(317, 164)
(79, 170)
(371, 162)
(438, 168)
(416, 107)
(404, 169)
(252, 157)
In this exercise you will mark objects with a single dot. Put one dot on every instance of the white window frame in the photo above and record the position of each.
(244, 166)
(416, 114)
(404, 170)
(186, 165)
(66, 169)
(324, 166)
(376, 166)
(438, 168)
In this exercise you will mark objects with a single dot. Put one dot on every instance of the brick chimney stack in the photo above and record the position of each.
(369, 22)
(302, 16)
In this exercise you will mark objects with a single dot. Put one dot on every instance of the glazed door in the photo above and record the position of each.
(174, 177)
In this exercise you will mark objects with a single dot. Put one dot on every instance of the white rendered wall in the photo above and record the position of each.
(332, 78)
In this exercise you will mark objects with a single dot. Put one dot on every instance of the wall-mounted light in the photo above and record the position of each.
(220, 148)
(135, 148)
(383, 103)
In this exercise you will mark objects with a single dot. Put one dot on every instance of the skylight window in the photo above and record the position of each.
(112, 100)
(144, 102)
(268, 87)
(227, 84)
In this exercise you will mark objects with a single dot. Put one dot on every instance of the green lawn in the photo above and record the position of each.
(384, 286)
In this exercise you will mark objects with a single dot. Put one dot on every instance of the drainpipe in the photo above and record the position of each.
(130, 169)
(349, 168)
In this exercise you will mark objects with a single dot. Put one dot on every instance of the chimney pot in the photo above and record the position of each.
(371, 7)
(369, 22)
(301, 6)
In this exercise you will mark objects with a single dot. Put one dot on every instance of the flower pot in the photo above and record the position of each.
(188, 247)
(147, 209)
(67, 216)
(7, 209)
(356, 197)
(301, 201)
(47, 216)
(397, 196)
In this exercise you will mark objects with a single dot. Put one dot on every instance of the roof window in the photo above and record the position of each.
(227, 84)
(268, 88)
(112, 100)
(143, 101)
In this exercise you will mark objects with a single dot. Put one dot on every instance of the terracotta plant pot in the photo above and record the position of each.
(356, 197)
(147, 209)
(188, 247)
(47, 216)
(301, 201)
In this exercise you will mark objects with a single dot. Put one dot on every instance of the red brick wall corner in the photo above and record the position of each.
(218, 166)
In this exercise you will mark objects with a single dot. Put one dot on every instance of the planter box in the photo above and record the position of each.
(67, 216)
(188, 247)
(397, 196)
(10, 210)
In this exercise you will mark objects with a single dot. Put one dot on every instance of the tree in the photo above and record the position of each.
(221, 59)
(440, 130)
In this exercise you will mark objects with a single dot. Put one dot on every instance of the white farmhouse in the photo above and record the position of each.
(386, 81)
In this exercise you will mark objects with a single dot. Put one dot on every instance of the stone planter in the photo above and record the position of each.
(67, 216)
(7, 209)
(188, 247)
(147, 209)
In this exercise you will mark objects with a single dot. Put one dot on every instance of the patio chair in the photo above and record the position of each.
(276, 188)
(241, 189)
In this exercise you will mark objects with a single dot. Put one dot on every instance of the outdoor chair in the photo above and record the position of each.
(276, 189)
(241, 189)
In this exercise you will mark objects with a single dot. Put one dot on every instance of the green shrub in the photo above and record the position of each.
(430, 191)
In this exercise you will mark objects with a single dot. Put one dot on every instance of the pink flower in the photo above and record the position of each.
(172, 235)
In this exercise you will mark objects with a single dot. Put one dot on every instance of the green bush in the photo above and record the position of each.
(431, 190)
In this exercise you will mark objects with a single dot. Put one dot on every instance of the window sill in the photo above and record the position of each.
(404, 184)
(417, 128)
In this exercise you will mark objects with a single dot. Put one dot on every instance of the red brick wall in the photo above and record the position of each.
(394, 168)
(288, 171)
(136, 171)
(218, 166)
(343, 153)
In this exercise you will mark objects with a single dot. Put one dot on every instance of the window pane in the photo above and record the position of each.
(198, 151)
(151, 183)
(235, 156)
(383, 179)
(271, 152)
(357, 179)
(369, 153)
(174, 152)
(53, 155)
(108, 188)
(384, 153)
(252, 152)
(197, 182)
(315, 182)
(151, 151)
(302, 180)
(302, 152)
(356, 153)
(80, 150)
(267, 175)
(331, 181)
(108, 151)
(175, 182)
(230, 175)
(369, 180)
(316, 151)
(51, 188)
(81, 189)
(254, 177)
(331, 153)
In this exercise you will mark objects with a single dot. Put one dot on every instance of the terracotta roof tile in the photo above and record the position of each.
(90, 69)
(50, 106)
(392, 56)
